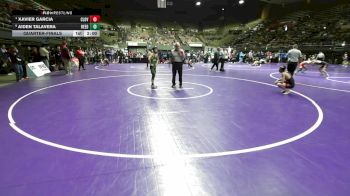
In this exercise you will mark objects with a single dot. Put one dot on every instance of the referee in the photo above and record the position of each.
(294, 57)
(177, 59)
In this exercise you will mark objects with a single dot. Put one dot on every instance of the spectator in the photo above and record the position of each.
(80, 55)
(44, 55)
(16, 63)
(66, 58)
(35, 56)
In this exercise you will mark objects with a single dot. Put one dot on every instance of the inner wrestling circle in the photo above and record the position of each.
(164, 91)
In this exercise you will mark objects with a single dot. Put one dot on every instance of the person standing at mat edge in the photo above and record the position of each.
(216, 59)
(294, 57)
(16, 63)
(66, 58)
(153, 59)
(80, 54)
(177, 59)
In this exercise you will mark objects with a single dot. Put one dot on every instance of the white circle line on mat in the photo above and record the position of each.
(333, 80)
(311, 129)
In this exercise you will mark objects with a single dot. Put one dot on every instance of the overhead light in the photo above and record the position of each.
(324, 27)
(222, 9)
(161, 3)
(198, 3)
(241, 2)
(343, 44)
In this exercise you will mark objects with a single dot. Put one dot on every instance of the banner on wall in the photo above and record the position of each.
(195, 45)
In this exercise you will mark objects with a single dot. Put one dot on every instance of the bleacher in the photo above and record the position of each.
(319, 27)
(295, 16)
(304, 26)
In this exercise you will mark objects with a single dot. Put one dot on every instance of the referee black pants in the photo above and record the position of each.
(222, 64)
(81, 62)
(177, 67)
(291, 67)
(215, 64)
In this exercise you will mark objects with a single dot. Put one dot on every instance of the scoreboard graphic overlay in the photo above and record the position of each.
(76, 23)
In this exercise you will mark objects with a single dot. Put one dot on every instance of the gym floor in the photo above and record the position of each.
(104, 131)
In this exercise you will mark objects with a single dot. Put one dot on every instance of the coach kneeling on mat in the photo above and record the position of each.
(286, 82)
(177, 59)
